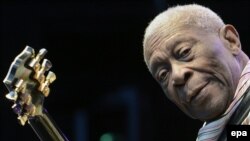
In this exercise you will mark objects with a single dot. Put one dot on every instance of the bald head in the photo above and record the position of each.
(178, 17)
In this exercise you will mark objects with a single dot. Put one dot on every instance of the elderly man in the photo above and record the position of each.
(198, 62)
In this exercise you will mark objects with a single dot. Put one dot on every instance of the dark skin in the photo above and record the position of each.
(197, 70)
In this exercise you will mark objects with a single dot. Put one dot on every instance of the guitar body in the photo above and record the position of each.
(28, 84)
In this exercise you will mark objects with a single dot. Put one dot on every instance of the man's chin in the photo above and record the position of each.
(206, 116)
(207, 112)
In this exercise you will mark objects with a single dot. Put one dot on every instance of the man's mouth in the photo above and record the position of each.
(197, 91)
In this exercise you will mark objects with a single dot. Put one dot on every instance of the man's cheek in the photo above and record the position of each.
(172, 96)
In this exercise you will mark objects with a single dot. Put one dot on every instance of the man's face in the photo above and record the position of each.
(195, 69)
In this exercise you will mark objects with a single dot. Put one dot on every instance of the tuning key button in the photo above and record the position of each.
(51, 77)
(44, 87)
(35, 61)
(23, 119)
(12, 95)
(46, 65)
(42, 52)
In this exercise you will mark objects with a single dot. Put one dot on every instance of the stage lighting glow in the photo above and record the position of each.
(107, 137)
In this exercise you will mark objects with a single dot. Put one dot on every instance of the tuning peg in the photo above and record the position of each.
(46, 65)
(44, 87)
(23, 119)
(51, 77)
(12, 95)
(35, 61)
(19, 85)
(24, 112)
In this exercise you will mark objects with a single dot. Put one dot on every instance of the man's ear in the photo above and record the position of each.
(231, 38)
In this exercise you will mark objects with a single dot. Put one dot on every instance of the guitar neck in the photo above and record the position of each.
(45, 128)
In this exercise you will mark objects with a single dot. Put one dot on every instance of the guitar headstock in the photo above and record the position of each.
(28, 83)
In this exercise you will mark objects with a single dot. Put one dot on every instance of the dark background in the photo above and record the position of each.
(103, 86)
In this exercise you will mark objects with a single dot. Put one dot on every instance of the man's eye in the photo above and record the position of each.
(183, 53)
(162, 75)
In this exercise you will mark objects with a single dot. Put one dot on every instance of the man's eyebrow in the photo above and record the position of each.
(154, 63)
(157, 61)
(179, 41)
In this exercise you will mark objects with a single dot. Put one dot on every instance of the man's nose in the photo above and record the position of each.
(180, 74)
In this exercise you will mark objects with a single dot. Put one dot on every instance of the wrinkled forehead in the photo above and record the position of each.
(166, 36)
(155, 39)
(161, 36)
